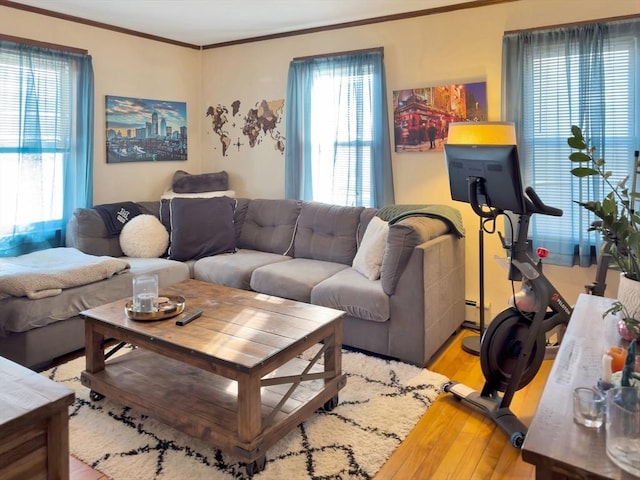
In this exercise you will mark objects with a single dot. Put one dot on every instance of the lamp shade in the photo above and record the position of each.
(482, 133)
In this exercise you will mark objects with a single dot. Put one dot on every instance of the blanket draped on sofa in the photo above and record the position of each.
(115, 215)
(46, 273)
(451, 216)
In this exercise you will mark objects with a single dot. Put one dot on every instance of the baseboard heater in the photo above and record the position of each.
(469, 325)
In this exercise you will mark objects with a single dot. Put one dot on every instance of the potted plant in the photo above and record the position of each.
(628, 326)
(618, 223)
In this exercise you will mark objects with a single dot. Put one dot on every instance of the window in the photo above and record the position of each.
(587, 76)
(338, 147)
(46, 131)
(335, 121)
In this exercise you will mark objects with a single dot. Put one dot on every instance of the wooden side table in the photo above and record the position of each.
(555, 444)
(34, 425)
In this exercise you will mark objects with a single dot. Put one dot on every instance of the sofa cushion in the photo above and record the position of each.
(327, 232)
(356, 295)
(234, 269)
(19, 314)
(293, 279)
(201, 227)
(269, 225)
(368, 259)
(183, 182)
(144, 236)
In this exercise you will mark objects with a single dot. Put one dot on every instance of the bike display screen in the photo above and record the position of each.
(493, 169)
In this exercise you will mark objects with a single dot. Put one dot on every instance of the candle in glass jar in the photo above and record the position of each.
(145, 293)
(618, 356)
(606, 368)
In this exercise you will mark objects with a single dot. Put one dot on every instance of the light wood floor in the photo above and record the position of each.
(451, 441)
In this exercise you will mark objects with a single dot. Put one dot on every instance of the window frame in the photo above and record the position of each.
(605, 120)
(369, 185)
(48, 141)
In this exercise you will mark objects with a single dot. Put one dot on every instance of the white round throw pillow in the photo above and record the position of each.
(144, 237)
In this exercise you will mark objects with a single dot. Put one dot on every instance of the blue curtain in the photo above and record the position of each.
(346, 149)
(297, 184)
(46, 145)
(583, 75)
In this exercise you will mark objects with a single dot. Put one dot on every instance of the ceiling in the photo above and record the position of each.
(210, 22)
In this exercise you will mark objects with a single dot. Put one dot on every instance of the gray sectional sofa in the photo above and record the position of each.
(297, 250)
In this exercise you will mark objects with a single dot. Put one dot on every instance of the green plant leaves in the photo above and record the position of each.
(577, 143)
(584, 172)
(576, 132)
(620, 222)
(579, 157)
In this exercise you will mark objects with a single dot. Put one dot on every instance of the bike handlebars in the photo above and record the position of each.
(536, 205)
(533, 203)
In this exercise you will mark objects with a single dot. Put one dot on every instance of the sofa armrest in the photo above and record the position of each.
(87, 232)
(428, 304)
(403, 237)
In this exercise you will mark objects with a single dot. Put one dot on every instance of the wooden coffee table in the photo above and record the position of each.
(230, 377)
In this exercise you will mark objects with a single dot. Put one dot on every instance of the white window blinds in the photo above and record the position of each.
(566, 81)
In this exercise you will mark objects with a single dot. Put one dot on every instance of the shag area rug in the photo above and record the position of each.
(378, 407)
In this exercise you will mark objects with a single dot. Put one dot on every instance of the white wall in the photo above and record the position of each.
(461, 46)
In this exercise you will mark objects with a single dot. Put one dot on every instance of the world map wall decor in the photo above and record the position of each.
(141, 130)
(235, 131)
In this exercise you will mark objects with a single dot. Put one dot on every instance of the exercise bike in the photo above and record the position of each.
(513, 346)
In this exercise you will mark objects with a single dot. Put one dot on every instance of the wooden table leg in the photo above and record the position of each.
(94, 348)
(333, 362)
(249, 407)
(58, 445)
(333, 353)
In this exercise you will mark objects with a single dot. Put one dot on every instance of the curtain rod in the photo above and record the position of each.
(350, 52)
(37, 43)
(574, 24)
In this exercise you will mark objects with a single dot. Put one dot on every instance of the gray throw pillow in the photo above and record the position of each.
(184, 182)
(201, 227)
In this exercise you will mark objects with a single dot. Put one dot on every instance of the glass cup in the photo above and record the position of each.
(145, 293)
(623, 428)
(588, 407)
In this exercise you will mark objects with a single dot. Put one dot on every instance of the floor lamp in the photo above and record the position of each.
(473, 134)
(472, 343)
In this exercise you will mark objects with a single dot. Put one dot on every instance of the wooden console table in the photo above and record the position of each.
(555, 444)
(34, 425)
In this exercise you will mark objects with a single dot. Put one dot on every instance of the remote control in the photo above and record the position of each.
(189, 317)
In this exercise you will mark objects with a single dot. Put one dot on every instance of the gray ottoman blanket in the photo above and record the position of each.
(46, 273)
